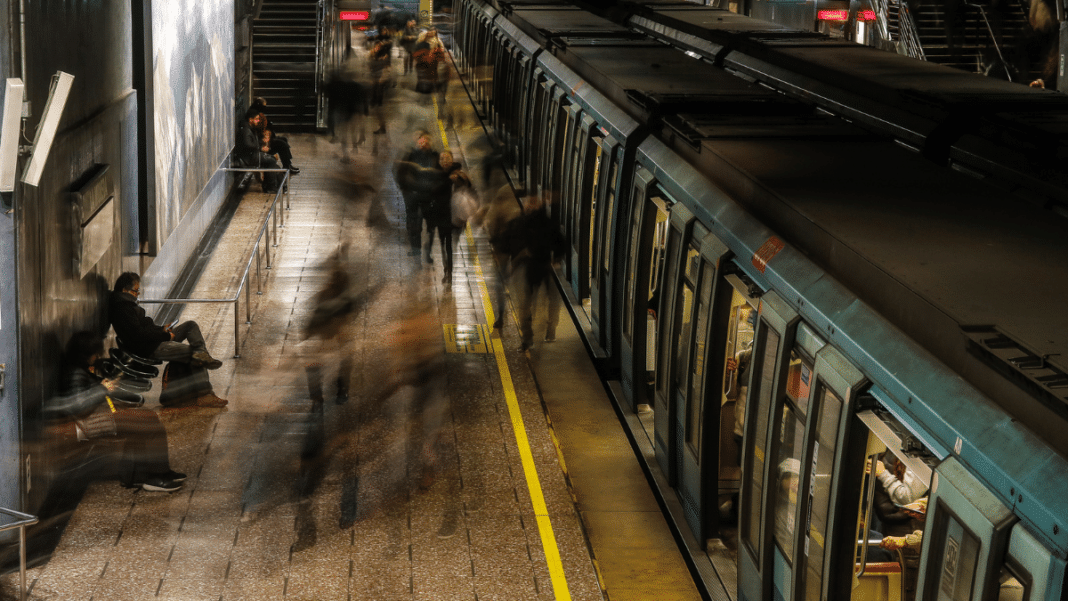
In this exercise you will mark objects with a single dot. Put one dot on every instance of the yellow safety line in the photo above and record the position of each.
(530, 471)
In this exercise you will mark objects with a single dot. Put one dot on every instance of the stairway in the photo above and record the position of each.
(974, 50)
(284, 41)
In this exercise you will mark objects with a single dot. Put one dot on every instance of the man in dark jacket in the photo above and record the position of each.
(418, 176)
(139, 335)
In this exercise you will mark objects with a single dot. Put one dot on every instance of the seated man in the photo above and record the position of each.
(141, 336)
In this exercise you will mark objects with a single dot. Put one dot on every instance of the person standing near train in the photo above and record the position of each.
(416, 176)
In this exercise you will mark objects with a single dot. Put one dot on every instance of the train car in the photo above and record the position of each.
(799, 300)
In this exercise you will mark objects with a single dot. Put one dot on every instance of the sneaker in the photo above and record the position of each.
(203, 359)
(160, 484)
(211, 401)
(174, 476)
(294, 169)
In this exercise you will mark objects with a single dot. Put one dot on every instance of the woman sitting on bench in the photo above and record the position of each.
(86, 398)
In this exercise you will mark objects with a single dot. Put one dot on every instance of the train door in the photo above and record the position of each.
(731, 343)
(539, 131)
(776, 324)
(698, 406)
(527, 131)
(1029, 572)
(895, 470)
(966, 537)
(606, 170)
(647, 238)
(585, 167)
(665, 437)
(558, 116)
(808, 434)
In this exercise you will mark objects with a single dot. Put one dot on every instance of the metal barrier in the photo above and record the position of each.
(22, 520)
(274, 217)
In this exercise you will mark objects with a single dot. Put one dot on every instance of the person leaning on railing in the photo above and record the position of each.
(139, 335)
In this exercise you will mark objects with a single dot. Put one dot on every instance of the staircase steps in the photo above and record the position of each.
(284, 42)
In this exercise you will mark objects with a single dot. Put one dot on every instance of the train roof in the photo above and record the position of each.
(958, 265)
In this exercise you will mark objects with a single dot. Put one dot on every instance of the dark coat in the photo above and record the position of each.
(138, 333)
(85, 400)
(419, 176)
(248, 144)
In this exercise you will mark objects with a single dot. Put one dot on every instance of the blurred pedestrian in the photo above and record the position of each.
(379, 62)
(408, 37)
(428, 54)
(535, 245)
(494, 217)
(349, 103)
(438, 212)
(417, 175)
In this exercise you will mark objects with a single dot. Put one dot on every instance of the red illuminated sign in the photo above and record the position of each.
(355, 15)
(843, 15)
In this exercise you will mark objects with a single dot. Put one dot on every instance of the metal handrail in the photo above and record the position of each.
(273, 218)
(24, 519)
(910, 38)
(993, 38)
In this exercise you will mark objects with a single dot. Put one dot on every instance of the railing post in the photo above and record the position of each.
(267, 248)
(237, 328)
(248, 301)
(22, 561)
(259, 274)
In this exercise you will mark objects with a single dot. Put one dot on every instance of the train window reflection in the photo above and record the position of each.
(788, 479)
(695, 403)
(823, 455)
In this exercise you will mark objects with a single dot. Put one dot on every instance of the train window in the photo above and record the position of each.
(791, 435)
(737, 358)
(684, 312)
(1014, 583)
(594, 179)
(957, 551)
(695, 405)
(823, 456)
(662, 383)
(610, 202)
(788, 478)
(765, 351)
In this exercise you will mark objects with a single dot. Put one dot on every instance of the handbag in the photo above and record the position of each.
(464, 205)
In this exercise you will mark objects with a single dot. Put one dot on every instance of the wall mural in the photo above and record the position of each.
(193, 84)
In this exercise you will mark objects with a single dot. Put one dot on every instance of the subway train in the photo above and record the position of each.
(798, 262)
